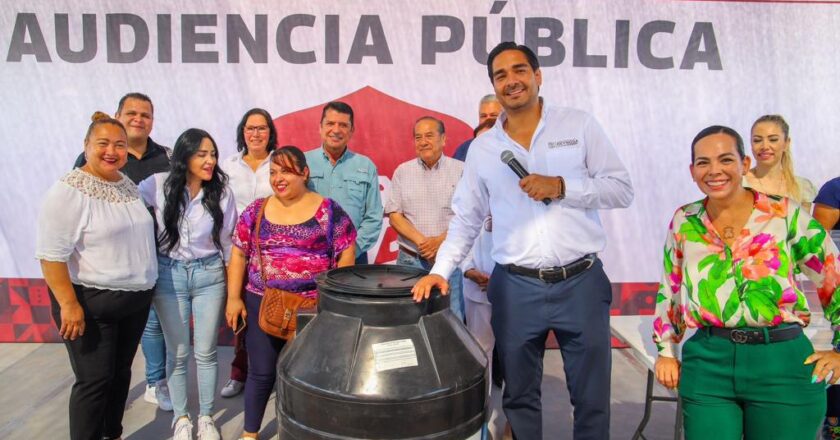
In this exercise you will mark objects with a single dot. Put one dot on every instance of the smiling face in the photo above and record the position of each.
(428, 141)
(138, 118)
(515, 82)
(717, 167)
(336, 131)
(203, 162)
(256, 133)
(106, 151)
(769, 143)
(287, 181)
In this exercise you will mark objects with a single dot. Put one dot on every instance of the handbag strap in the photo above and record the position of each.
(255, 237)
(329, 233)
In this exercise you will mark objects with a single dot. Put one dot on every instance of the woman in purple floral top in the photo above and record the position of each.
(730, 261)
(294, 249)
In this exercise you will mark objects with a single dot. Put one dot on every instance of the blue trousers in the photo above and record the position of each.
(154, 349)
(578, 311)
(456, 280)
(263, 351)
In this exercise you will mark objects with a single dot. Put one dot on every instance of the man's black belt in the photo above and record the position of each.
(557, 273)
(757, 336)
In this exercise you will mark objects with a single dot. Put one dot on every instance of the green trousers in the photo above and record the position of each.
(761, 391)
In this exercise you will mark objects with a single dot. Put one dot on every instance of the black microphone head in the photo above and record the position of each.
(507, 156)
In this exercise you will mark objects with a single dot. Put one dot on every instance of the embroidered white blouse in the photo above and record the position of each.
(101, 229)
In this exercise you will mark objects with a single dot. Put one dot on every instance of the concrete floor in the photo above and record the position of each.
(35, 381)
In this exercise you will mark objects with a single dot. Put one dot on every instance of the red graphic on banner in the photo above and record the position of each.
(383, 128)
(383, 131)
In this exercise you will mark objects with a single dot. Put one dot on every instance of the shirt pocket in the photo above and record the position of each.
(316, 180)
(567, 161)
(356, 189)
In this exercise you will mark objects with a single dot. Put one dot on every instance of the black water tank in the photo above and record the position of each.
(373, 364)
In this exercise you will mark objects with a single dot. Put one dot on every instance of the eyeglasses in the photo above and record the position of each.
(258, 129)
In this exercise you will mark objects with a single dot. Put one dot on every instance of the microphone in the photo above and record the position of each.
(510, 160)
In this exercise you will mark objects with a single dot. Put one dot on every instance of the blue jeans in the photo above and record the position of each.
(191, 289)
(456, 297)
(154, 349)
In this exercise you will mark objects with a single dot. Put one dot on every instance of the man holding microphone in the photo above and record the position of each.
(546, 234)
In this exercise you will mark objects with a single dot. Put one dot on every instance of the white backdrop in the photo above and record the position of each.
(774, 58)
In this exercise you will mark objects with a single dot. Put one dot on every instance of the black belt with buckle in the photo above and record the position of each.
(555, 274)
(757, 336)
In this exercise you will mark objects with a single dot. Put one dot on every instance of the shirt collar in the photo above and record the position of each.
(240, 158)
(500, 121)
(761, 201)
(436, 166)
(344, 156)
(152, 149)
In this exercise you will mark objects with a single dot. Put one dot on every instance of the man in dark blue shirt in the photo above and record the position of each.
(145, 156)
(488, 108)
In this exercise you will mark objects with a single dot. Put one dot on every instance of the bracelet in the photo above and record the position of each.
(562, 188)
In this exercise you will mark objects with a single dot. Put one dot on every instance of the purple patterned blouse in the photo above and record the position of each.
(292, 254)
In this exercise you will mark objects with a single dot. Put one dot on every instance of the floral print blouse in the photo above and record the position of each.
(750, 284)
(292, 254)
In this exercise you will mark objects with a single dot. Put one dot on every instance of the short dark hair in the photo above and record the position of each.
(510, 45)
(441, 128)
(340, 107)
(290, 155)
(134, 95)
(240, 130)
(719, 129)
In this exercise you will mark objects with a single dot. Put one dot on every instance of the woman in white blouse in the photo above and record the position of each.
(195, 213)
(247, 170)
(773, 172)
(96, 245)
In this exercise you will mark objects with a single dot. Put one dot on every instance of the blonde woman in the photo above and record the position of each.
(773, 172)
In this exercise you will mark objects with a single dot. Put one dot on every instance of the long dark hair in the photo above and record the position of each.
(241, 146)
(173, 190)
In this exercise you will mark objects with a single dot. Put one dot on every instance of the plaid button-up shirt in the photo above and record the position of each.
(424, 195)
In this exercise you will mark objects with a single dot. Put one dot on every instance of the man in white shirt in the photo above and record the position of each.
(546, 233)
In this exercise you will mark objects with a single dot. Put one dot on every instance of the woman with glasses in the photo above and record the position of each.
(247, 170)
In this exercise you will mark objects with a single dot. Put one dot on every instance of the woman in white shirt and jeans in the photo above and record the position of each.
(195, 214)
(247, 170)
(96, 245)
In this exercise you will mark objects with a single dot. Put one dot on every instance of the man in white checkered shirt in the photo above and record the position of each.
(419, 207)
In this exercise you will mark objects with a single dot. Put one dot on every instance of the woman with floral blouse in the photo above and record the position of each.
(730, 261)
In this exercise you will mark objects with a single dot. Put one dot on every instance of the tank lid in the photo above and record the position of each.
(373, 280)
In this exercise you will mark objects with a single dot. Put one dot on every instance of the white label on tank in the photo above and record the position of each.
(394, 354)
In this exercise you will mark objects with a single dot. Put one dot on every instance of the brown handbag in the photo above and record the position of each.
(278, 310)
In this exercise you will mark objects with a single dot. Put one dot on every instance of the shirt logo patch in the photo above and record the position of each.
(563, 143)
